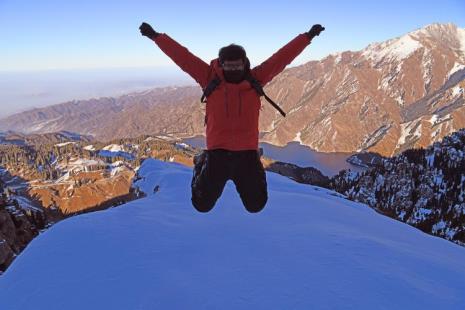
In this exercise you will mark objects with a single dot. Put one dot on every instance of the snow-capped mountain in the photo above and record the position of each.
(309, 249)
(402, 93)
(422, 187)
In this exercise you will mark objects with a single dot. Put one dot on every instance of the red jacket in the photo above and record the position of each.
(232, 109)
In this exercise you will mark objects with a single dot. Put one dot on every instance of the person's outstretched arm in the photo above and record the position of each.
(188, 62)
(271, 67)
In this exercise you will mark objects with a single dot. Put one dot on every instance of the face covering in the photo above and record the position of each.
(233, 76)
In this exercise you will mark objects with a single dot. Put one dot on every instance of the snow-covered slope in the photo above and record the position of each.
(309, 249)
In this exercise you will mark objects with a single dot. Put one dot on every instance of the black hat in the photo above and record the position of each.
(232, 52)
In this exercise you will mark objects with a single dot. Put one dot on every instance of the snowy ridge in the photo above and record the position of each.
(115, 150)
(64, 144)
(89, 148)
(461, 37)
(410, 131)
(392, 50)
(457, 67)
(308, 249)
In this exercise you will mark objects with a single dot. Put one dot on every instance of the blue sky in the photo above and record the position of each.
(39, 35)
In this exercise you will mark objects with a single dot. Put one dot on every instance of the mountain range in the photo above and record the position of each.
(402, 93)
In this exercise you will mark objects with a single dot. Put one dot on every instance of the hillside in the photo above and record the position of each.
(422, 187)
(309, 249)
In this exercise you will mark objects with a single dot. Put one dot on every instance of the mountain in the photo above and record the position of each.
(173, 110)
(421, 187)
(309, 249)
(76, 176)
(402, 93)
(18, 138)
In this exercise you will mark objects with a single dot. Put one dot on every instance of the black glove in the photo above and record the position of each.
(147, 30)
(315, 31)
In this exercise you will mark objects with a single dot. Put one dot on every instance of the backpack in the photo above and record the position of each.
(213, 84)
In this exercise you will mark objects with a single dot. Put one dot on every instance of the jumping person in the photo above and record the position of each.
(232, 91)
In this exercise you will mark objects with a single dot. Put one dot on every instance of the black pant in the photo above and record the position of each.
(213, 168)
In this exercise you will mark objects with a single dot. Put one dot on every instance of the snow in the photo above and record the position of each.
(182, 145)
(307, 249)
(64, 144)
(77, 165)
(297, 137)
(427, 66)
(165, 137)
(149, 139)
(115, 154)
(89, 148)
(439, 225)
(406, 131)
(117, 163)
(433, 119)
(117, 167)
(461, 38)
(455, 68)
(399, 100)
(430, 159)
(436, 120)
(50, 125)
(25, 203)
(114, 148)
(392, 50)
(85, 162)
(116, 170)
(333, 137)
(12, 180)
(437, 179)
(423, 211)
(64, 178)
(457, 90)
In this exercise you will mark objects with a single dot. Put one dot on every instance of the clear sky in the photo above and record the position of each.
(38, 35)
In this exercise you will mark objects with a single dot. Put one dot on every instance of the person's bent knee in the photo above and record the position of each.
(255, 207)
(203, 206)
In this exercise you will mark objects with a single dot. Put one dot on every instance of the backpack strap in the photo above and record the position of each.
(259, 89)
(213, 84)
